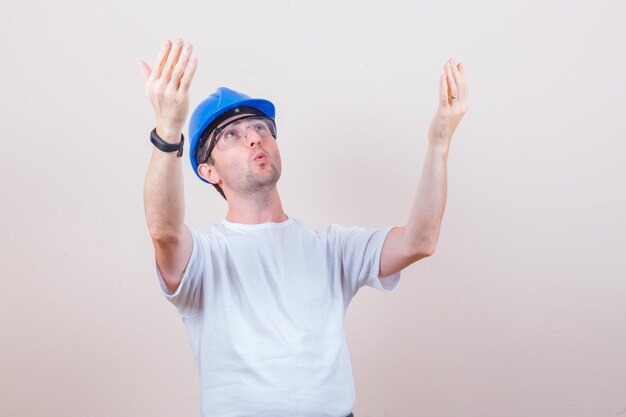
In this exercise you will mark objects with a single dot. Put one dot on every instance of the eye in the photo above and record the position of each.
(230, 134)
(261, 127)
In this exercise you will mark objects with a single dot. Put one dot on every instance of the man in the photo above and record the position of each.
(263, 296)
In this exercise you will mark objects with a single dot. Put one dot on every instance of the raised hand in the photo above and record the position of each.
(167, 87)
(450, 111)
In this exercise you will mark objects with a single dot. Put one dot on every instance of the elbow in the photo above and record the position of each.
(415, 255)
(422, 248)
(423, 251)
(416, 246)
(428, 246)
(163, 233)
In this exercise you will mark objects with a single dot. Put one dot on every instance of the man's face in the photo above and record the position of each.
(236, 168)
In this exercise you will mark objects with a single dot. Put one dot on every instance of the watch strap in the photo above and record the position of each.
(165, 146)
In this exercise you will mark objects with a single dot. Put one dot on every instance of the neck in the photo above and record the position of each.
(260, 208)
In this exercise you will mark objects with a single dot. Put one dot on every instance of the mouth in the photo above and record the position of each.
(260, 157)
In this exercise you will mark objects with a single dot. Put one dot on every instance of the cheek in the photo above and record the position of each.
(275, 155)
(273, 147)
(230, 165)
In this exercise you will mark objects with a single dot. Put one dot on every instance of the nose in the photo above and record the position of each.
(253, 137)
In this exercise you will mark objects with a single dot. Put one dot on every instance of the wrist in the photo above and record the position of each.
(439, 143)
(166, 146)
(169, 135)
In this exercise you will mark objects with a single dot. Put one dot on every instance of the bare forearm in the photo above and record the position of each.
(167, 87)
(424, 225)
(418, 239)
(422, 230)
(164, 200)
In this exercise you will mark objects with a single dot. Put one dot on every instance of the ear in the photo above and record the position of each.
(209, 173)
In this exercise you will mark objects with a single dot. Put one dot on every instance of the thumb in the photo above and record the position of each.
(145, 70)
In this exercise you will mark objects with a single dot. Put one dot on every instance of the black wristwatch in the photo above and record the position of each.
(167, 147)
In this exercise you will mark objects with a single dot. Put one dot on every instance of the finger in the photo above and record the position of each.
(456, 75)
(181, 65)
(463, 77)
(443, 90)
(145, 70)
(160, 59)
(452, 90)
(171, 60)
(185, 82)
(461, 71)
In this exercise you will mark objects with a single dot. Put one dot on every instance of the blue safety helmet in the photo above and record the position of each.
(219, 106)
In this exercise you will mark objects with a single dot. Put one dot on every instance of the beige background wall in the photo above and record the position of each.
(521, 311)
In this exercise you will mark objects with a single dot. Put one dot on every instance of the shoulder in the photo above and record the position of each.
(208, 237)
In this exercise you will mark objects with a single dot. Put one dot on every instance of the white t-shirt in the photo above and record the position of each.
(264, 308)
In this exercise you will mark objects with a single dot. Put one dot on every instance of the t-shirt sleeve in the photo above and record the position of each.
(188, 296)
(360, 250)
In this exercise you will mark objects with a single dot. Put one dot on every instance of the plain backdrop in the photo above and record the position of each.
(520, 312)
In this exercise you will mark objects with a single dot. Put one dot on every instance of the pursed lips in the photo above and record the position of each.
(260, 156)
